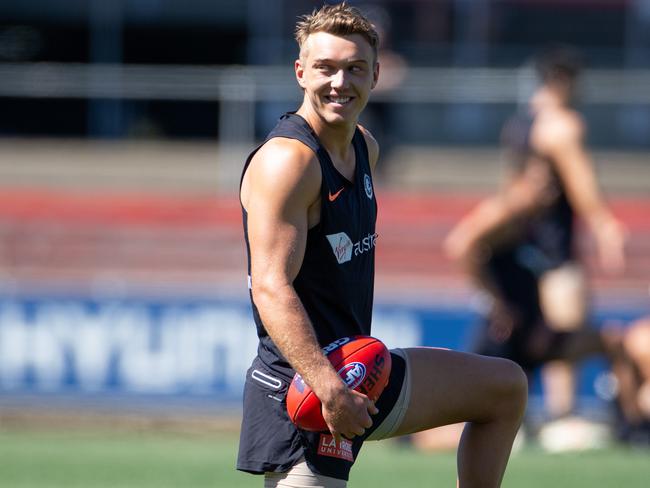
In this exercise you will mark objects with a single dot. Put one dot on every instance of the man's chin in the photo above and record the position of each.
(339, 117)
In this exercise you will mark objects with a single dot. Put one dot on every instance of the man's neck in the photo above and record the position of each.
(337, 139)
(546, 98)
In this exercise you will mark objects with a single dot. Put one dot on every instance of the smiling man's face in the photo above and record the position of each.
(337, 74)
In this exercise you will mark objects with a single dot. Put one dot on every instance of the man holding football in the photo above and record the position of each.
(309, 213)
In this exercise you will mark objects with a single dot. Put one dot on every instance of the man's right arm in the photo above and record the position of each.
(561, 137)
(280, 188)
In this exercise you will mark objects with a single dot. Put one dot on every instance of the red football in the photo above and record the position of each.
(363, 362)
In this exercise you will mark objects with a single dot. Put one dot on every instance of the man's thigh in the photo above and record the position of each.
(563, 297)
(448, 387)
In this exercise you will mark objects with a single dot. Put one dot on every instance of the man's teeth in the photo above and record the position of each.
(340, 99)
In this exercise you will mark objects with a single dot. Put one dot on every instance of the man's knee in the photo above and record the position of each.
(510, 393)
(637, 341)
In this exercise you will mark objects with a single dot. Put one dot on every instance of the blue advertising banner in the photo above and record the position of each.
(178, 347)
(141, 346)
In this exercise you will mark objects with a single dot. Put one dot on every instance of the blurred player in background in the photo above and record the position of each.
(520, 244)
(309, 216)
(634, 426)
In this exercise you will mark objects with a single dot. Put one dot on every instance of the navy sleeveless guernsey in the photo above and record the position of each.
(549, 234)
(335, 281)
(335, 284)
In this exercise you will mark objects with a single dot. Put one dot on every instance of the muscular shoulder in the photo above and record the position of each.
(285, 168)
(373, 146)
(555, 129)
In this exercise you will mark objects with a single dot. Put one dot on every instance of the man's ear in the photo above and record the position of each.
(300, 72)
(375, 74)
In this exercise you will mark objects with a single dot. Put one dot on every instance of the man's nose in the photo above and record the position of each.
(339, 79)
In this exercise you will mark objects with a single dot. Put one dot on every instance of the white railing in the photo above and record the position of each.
(237, 88)
(276, 83)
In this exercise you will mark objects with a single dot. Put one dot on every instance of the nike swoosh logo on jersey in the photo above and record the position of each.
(335, 195)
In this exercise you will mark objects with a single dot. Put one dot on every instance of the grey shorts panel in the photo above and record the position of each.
(394, 419)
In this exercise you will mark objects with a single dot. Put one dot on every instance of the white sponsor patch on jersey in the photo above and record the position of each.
(342, 246)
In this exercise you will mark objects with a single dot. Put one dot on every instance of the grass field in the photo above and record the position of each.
(131, 460)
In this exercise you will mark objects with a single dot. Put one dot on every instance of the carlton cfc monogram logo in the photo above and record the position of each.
(367, 184)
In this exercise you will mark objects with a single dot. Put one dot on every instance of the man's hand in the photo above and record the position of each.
(347, 413)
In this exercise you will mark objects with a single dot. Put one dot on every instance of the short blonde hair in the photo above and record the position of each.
(338, 20)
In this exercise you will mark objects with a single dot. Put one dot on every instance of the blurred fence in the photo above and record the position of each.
(239, 88)
(275, 83)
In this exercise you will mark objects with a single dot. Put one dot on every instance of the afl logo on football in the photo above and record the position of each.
(353, 374)
(367, 183)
